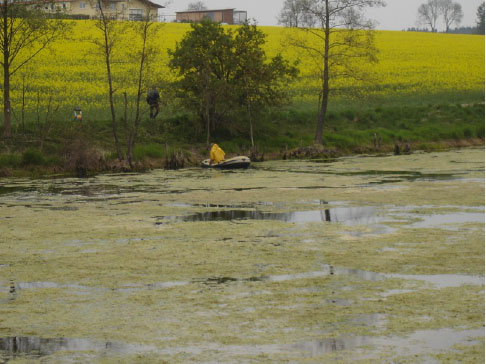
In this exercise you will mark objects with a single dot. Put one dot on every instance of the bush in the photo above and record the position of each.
(148, 151)
(79, 154)
(480, 132)
(32, 157)
(10, 160)
(467, 132)
(339, 141)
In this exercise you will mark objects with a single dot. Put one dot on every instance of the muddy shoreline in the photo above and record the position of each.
(193, 158)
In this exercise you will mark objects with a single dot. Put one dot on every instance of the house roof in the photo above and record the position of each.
(151, 3)
(202, 11)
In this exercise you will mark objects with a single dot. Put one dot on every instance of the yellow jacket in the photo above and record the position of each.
(216, 154)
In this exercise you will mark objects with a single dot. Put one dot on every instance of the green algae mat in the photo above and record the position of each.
(364, 260)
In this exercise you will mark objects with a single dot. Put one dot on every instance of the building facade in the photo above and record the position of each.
(227, 16)
(116, 9)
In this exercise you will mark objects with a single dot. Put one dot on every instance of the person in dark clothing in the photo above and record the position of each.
(153, 99)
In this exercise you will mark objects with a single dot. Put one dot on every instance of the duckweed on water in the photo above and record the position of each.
(102, 261)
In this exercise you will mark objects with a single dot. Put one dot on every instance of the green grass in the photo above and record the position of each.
(10, 160)
(350, 127)
(33, 157)
(354, 127)
(142, 152)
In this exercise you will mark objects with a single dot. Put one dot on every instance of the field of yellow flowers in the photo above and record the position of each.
(73, 73)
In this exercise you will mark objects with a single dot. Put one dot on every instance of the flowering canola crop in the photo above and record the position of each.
(73, 72)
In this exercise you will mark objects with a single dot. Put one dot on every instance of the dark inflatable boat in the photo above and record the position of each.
(232, 163)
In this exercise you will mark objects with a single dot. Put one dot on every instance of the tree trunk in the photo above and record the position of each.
(248, 110)
(206, 105)
(110, 81)
(23, 104)
(6, 73)
(325, 81)
(128, 135)
(6, 101)
(208, 123)
(133, 134)
(251, 126)
(112, 108)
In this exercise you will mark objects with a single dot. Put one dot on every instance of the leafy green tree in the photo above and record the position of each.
(203, 60)
(222, 72)
(258, 82)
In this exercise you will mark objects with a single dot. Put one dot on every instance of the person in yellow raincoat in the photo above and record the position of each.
(216, 154)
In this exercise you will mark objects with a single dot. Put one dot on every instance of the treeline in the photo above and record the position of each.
(459, 30)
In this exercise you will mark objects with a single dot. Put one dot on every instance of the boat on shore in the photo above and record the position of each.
(240, 162)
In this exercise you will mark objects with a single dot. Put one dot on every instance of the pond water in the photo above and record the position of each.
(360, 259)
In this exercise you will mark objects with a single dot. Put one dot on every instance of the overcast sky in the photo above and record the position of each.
(397, 15)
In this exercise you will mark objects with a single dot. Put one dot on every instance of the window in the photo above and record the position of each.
(113, 6)
(135, 14)
(82, 5)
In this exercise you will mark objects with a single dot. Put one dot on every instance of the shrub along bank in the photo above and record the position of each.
(87, 148)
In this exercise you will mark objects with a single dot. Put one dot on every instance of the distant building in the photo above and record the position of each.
(239, 17)
(228, 16)
(116, 9)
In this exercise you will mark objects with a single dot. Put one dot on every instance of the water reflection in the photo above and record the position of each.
(442, 220)
(386, 176)
(37, 347)
(320, 347)
(418, 342)
(15, 287)
(232, 206)
(437, 280)
(346, 215)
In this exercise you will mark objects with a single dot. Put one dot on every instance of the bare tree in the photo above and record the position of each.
(110, 30)
(198, 5)
(451, 13)
(480, 19)
(428, 14)
(340, 37)
(25, 31)
(115, 38)
(143, 57)
(293, 14)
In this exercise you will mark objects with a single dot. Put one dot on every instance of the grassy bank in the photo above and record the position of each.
(426, 91)
(66, 147)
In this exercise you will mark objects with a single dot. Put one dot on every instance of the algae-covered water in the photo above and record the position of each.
(363, 259)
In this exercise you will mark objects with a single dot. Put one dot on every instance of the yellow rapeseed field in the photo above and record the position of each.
(73, 72)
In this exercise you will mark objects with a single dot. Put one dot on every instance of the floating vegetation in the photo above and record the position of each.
(290, 261)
